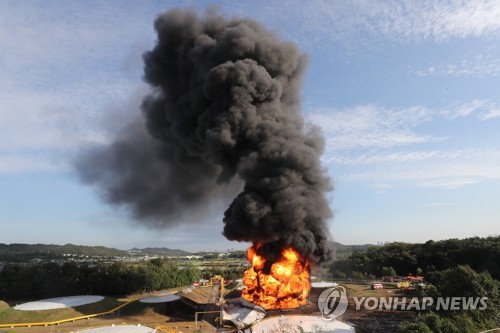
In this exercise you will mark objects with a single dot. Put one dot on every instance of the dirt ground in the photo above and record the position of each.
(372, 321)
(385, 321)
(365, 321)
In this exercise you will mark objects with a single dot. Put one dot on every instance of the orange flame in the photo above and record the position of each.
(287, 285)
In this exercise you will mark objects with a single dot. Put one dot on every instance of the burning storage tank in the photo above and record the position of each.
(223, 119)
(286, 284)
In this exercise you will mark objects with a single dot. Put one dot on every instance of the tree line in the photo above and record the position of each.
(460, 281)
(481, 254)
(22, 282)
(25, 252)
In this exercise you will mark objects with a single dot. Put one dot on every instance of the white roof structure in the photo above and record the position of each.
(241, 312)
(120, 329)
(160, 299)
(299, 324)
(58, 303)
(324, 284)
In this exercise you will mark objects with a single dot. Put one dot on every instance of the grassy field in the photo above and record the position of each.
(9, 315)
(364, 290)
(178, 315)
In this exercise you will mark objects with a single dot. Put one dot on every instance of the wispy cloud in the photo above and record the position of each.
(64, 67)
(371, 126)
(436, 173)
(461, 110)
(479, 67)
(381, 158)
(378, 144)
(449, 184)
(321, 20)
(41, 130)
(482, 109)
(490, 114)
(440, 19)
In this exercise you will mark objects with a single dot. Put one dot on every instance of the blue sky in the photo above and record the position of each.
(405, 92)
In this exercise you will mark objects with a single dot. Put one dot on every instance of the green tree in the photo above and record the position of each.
(418, 327)
(388, 271)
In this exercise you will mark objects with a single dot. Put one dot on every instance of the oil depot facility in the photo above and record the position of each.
(213, 301)
(202, 308)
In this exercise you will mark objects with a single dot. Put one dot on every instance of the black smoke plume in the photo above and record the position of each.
(225, 108)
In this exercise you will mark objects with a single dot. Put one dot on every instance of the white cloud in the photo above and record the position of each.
(479, 67)
(347, 21)
(381, 145)
(42, 130)
(490, 114)
(65, 69)
(461, 110)
(371, 126)
(484, 109)
(43, 36)
(442, 19)
(442, 169)
(449, 184)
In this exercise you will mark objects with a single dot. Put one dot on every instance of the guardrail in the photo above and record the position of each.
(62, 321)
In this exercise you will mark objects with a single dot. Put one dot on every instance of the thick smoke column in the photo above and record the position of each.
(225, 109)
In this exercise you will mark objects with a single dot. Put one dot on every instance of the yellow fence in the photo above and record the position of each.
(167, 329)
(57, 322)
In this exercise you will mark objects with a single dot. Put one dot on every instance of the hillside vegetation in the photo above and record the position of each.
(455, 267)
(26, 252)
(481, 254)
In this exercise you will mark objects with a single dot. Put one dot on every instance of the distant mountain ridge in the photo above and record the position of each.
(341, 250)
(45, 249)
(18, 252)
(161, 251)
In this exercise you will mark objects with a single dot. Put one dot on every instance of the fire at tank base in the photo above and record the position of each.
(248, 317)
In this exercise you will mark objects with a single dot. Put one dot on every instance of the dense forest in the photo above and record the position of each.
(460, 281)
(481, 254)
(22, 282)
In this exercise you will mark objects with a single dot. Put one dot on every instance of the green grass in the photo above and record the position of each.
(5, 313)
(360, 290)
(11, 316)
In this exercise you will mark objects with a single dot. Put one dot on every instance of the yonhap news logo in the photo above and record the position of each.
(333, 302)
(421, 304)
